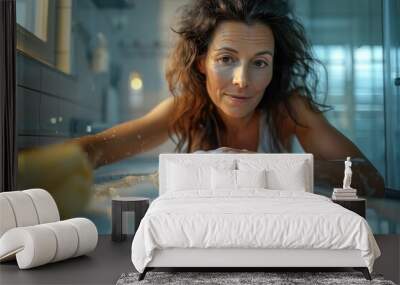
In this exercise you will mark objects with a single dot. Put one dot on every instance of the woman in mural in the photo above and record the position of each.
(241, 76)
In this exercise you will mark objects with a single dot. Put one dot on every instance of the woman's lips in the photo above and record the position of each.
(237, 99)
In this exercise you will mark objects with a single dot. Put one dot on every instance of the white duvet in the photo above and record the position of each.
(253, 218)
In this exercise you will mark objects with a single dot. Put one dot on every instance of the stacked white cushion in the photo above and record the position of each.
(87, 234)
(23, 209)
(32, 246)
(7, 218)
(30, 230)
(41, 244)
(26, 208)
(45, 205)
(66, 236)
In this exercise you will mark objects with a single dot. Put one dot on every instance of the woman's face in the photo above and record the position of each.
(238, 67)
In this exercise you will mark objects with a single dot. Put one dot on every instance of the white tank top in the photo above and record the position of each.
(265, 143)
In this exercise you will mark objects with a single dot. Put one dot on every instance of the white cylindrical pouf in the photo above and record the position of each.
(23, 208)
(7, 218)
(40, 247)
(87, 234)
(36, 245)
(30, 230)
(67, 239)
(45, 205)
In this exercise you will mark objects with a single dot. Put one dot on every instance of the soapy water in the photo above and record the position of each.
(115, 188)
(99, 209)
(139, 185)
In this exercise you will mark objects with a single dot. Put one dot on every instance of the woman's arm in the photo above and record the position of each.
(129, 138)
(330, 148)
(66, 170)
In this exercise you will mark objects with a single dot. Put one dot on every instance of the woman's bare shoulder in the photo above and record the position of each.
(297, 116)
(299, 110)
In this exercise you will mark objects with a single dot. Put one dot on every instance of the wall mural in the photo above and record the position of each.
(188, 82)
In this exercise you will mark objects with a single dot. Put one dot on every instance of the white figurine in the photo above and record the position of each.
(347, 174)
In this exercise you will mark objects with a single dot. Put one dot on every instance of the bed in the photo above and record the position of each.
(246, 211)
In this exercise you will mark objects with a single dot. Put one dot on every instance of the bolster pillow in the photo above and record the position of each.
(40, 244)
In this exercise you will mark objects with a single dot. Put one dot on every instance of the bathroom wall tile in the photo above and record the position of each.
(28, 72)
(26, 142)
(69, 114)
(27, 111)
(43, 141)
(49, 115)
(59, 84)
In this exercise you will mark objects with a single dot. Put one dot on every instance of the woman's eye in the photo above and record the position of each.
(260, 63)
(225, 59)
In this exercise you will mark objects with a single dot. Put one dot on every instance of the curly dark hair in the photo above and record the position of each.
(196, 122)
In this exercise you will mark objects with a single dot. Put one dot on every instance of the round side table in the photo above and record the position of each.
(139, 205)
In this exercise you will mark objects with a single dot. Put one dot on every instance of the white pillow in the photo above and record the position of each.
(226, 179)
(251, 178)
(281, 174)
(223, 179)
(183, 176)
(292, 178)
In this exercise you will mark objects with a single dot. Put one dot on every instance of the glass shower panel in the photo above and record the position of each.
(391, 24)
(347, 38)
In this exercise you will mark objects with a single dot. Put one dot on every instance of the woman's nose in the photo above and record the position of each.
(240, 77)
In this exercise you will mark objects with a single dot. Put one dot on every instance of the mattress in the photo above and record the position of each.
(250, 219)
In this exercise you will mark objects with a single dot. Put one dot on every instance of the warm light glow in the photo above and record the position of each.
(136, 81)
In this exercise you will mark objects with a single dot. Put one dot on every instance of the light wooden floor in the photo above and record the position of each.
(110, 260)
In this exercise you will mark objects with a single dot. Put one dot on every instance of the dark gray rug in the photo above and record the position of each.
(229, 278)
